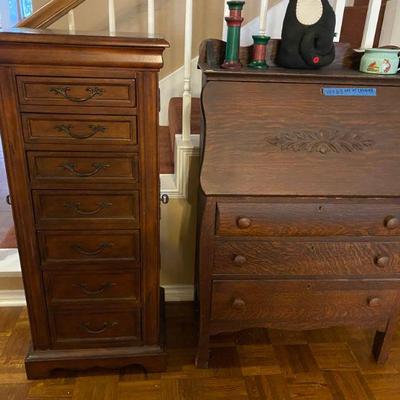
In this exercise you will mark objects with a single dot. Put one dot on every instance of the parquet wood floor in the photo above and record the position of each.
(252, 365)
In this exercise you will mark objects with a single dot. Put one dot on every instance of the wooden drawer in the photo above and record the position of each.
(309, 218)
(89, 246)
(79, 129)
(82, 92)
(93, 286)
(85, 210)
(89, 327)
(83, 168)
(305, 304)
(291, 258)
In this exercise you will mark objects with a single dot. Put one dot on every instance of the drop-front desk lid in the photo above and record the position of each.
(283, 134)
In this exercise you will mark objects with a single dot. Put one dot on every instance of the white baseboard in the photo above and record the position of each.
(176, 185)
(16, 298)
(12, 298)
(179, 292)
(10, 266)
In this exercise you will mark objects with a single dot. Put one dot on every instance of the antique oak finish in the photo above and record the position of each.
(79, 130)
(300, 200)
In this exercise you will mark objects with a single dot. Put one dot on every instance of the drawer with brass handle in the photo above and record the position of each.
(91, 247)
(80, 169)
(86, 209)
(84, 286)
(307, 258)
(91, 327)
(82, 92)
(280, 303)
(304, 217)
(80, 129)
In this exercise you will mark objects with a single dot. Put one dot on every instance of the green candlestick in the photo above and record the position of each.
(259, 52)
(234, 21)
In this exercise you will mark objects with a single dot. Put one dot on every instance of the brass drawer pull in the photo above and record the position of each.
(239, 260)
(97, 292)
(88, 253)
(106, 325)
(243, 223)
(382, 261)
(392, 222)
(98, 167)
(94, 130)
(64, 91)
(238, 304)
(374, 302)
(76, 207)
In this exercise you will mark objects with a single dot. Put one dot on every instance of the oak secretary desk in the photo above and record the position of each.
(299, 200)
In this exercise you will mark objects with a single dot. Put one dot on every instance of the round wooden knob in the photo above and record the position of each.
(382, 261)
(238, 304)
(374, 302)
(392, 222)
(244, 223)
(239, 260)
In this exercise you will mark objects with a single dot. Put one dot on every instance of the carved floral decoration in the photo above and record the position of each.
(321, 142)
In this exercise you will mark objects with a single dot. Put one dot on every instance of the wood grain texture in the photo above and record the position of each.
(89, 247)
(306, 217)
(249, 142)
(92, 287)
(81, 169)
(305, 257)
(298, 231)
(81, 146)
(80, 130)
(86, 209)
(299, 304)
(85, 92)
(256, 364)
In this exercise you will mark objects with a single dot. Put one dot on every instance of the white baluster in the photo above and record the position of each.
(71, 21)
(111, 16)
(151, 17)
(19, 10)
(371, 24)
(263, 17)
(339, 11)
(5, 15)
(187, 89)
(225, 26)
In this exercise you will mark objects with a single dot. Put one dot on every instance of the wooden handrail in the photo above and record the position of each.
(49, 13)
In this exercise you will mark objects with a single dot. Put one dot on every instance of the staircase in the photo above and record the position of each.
(175, 112)
(353, 23)
(352, 32)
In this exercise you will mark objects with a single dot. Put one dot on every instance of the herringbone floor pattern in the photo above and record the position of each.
(253, 365)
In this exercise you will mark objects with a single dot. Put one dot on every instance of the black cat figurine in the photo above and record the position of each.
(307, 35)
